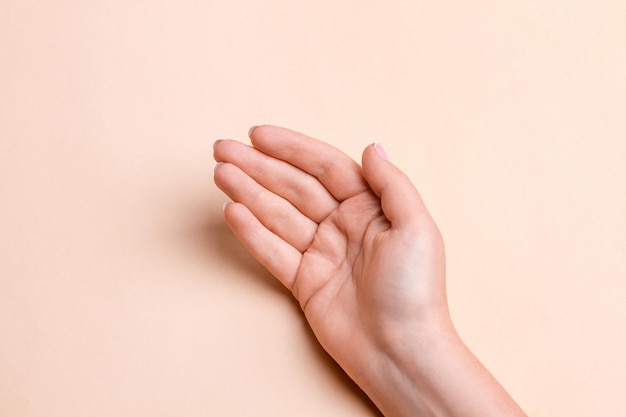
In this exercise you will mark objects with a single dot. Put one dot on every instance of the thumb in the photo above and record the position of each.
(400, 200)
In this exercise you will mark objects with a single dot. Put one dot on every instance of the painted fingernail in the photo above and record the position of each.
(381, 151)
(226, 204)
(217, 165)
(251, 130)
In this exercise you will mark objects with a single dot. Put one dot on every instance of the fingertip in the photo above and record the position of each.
(215, 145)
(260, 134)
(373, 160)
(256, 134)
(381, 151)
(400, 200)
(259, 131)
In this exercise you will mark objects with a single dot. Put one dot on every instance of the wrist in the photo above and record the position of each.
(409, 372)
(435, 374)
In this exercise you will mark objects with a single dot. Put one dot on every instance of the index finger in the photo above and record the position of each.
(339, 173)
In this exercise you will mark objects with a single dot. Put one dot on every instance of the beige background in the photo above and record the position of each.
(121, 290)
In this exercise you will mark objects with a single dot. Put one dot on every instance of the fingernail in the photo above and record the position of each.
(381, 151)
(251, 130)
(226, 204)
(216, 142)
(217, 165)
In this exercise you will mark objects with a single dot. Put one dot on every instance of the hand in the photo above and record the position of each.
(313, 217)
(355, 245)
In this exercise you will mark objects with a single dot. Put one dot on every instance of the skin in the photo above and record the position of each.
(358, 249)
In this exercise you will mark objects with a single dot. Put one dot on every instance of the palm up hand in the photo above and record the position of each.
(359, 251)
(355, 245)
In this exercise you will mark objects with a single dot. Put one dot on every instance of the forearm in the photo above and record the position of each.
(440, 377)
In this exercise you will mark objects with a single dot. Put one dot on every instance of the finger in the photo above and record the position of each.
(279, 257)
(400, 200)
(339, 173)
(274, 212)
(298, 187)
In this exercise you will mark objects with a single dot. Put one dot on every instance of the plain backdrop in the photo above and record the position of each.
(122, 292)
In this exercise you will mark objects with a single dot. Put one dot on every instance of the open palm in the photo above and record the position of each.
(355, 245)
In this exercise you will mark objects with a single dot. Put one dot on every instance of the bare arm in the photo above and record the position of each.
(357, 247)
